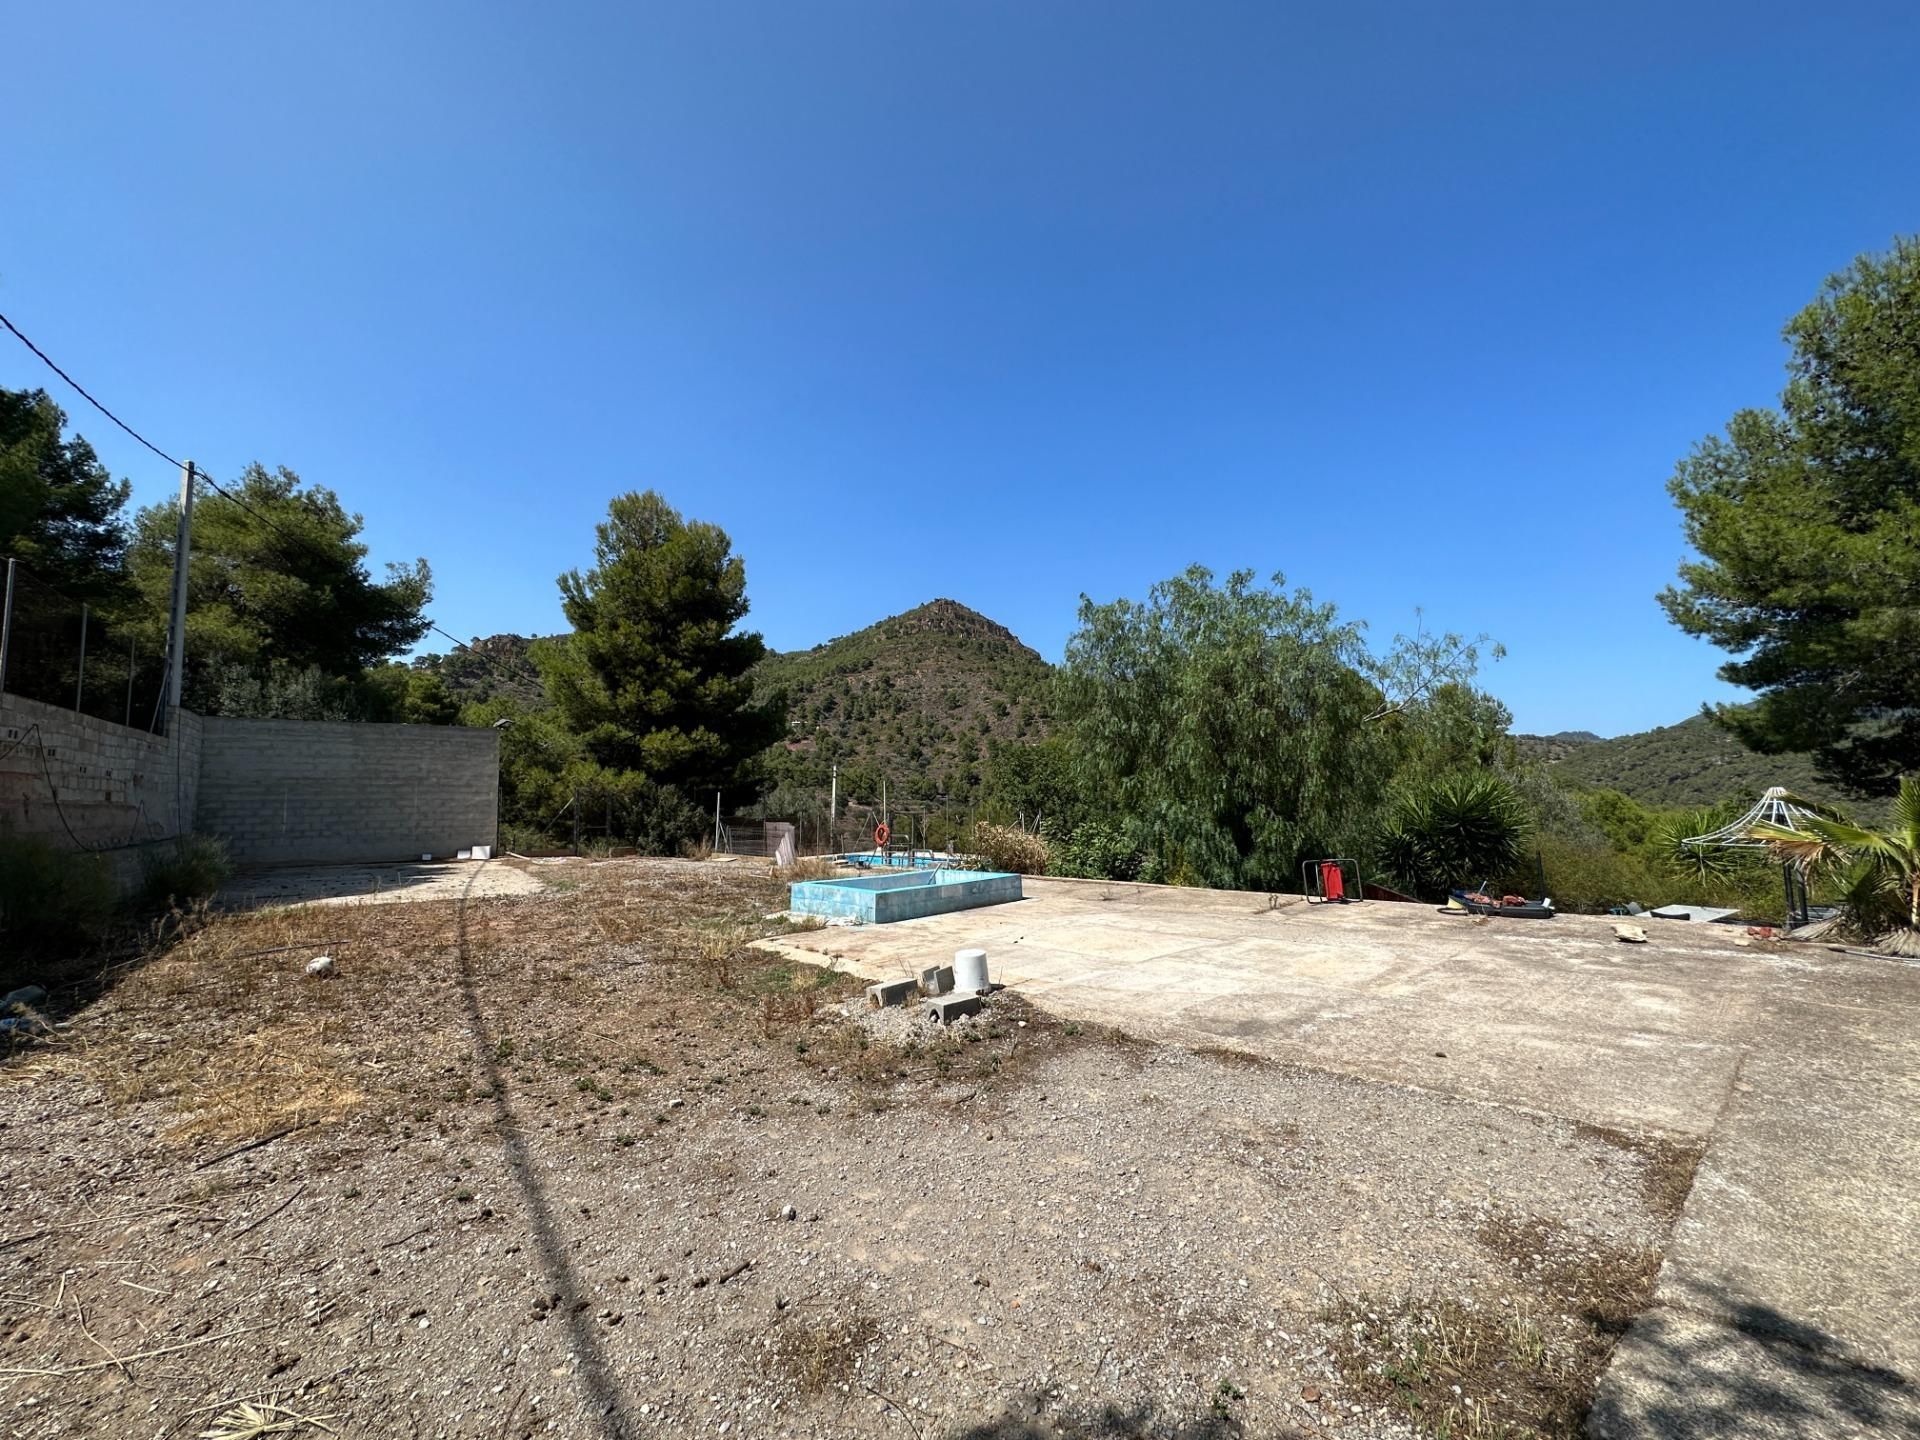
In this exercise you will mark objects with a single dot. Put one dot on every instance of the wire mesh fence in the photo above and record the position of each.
(61, 651)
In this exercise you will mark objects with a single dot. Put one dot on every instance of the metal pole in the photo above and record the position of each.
(177, 635)
(131, 643)
(833, 796)
(716, 820)
(80, 681)
(6, 624)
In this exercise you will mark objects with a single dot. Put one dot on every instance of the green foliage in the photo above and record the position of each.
(924, 698)
(1004, 847)
(498, 665)
(51, 900)
(654, 680)
(1096, 850)
(288, 598)
(409, 695)
(1034, 785)
(182, 871)
(1457, 829)
(1238, 728)
(1807, 523)
(1583, 876)
(1697, 762)
(1625, 822)
(60, 510)
(1880, 868)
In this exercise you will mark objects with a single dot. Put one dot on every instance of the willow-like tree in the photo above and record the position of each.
(1235, 730)
(1807, 523)
(654, 678)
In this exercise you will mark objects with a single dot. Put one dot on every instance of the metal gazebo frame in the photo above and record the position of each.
(1775, 807)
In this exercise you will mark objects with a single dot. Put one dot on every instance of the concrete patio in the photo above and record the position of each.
(1787, 1304)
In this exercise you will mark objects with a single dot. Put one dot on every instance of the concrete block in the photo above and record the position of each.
(945, 1009)
(890, 992)
(937, 979)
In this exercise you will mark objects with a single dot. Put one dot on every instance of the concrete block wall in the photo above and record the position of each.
(319, 792)
(112, 785)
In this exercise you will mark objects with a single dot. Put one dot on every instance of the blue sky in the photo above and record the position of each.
(1004, 302)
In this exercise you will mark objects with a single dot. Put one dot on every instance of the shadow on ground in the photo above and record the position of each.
(1743, 1369)
(606, 1401)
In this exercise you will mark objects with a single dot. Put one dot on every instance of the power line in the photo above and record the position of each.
(82, 390)
(215, 485)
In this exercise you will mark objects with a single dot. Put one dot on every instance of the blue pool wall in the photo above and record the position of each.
(904, 895)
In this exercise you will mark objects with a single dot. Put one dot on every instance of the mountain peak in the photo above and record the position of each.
(946, 617)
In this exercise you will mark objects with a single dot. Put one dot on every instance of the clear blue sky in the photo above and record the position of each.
(1004, 302)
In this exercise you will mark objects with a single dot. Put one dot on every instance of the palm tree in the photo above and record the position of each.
(1881, 863)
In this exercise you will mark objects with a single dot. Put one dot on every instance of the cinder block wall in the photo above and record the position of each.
(318, 792)
(114, 786)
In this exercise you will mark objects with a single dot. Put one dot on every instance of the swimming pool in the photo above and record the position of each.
(903, 895)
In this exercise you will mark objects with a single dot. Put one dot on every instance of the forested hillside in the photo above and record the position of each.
(1692, 763)
(916, 698)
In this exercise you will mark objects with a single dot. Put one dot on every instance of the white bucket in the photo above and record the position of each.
(969, 971)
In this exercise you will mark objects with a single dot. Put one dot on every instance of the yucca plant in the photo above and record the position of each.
(1459, 829)
(1872, 866)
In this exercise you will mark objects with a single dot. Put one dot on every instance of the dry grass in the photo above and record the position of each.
(1667, 1166)
(816, 1354)
(223, 1029)
(811, 868)
(1519, 1367)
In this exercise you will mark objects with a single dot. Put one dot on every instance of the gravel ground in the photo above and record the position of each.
(587, 1165)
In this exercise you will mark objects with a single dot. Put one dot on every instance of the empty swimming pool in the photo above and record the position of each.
(877, 899)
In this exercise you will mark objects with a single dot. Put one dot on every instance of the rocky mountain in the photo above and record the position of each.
(916, 698)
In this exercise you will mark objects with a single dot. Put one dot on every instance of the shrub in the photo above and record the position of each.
(1459, 829)
(1096, 850)
(182, 870)
(1004, 847)
(51, 899)
(1585, 876)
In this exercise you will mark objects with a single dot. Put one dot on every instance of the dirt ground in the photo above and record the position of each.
(585, 1162)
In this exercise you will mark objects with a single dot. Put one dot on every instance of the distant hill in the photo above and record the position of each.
(497, 665)
(916, 697)
(1554, 748)
(1692, 763)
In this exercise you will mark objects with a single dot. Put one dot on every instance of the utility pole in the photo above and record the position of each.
(80, 682)
(6, 625)
(177, 637)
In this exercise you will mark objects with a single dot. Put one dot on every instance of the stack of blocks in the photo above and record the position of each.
(936, 983)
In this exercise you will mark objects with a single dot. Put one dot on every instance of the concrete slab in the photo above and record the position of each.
(1789, 1303)
(378, 884)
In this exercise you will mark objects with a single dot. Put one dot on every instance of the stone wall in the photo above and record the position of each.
(318, 792)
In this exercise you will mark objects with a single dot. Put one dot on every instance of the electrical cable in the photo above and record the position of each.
(214, 484)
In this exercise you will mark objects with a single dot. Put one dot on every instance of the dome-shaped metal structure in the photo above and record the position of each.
(1776, 806)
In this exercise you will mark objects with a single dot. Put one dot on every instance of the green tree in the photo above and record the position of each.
(654, 678)
(1237, 728)
(60, 511)
(288, 593)
(1807, 523)
(409, 695)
